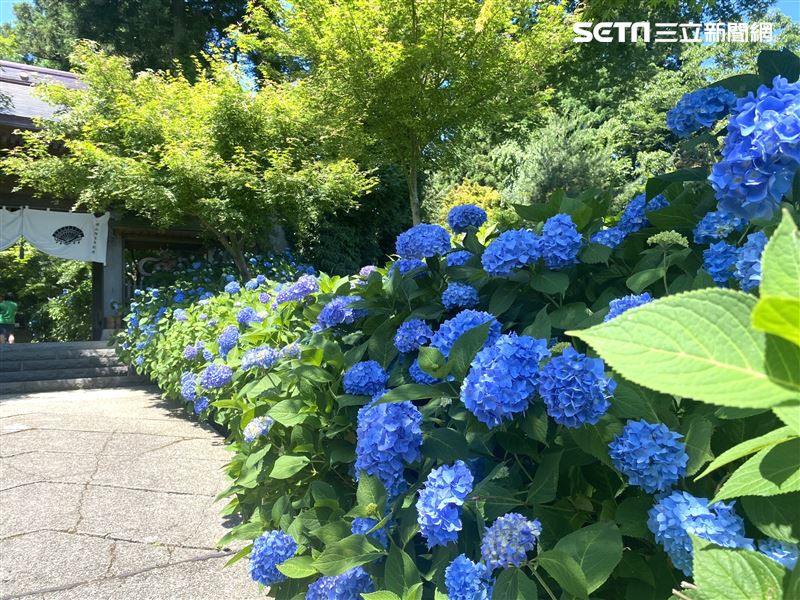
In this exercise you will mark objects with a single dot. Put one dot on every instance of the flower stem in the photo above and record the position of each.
(544, 585)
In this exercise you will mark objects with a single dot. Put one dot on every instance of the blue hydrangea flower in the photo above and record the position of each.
(460, 295)
(420, 376)
(649, 455)
(657, 203)
(347, 586)
(503, 378)
(389, 437)
(466, 580)
(269, 550)
(180, 314)
(699, 109)
(411, 335)
(228, 339)
(748, 261)
(423, 241)
(262, 357)
(256, 428)
(188, 386)
(719, 261)
(575, 389)
(339, 312)
(363, 526)
(366, 271)
(674, 517)
(511, 250)
(139, 360)
(215, 376)
(264, 298)
(200, 404)
(365, 378)
(440, 501)
(459, 258)
(247, 315)
(620, 305)
(454, 328)
(461, 218)
(634, 217)
(232, 287)
(251, 284)
(305, 285)
(783, 552)
(507, 542)
(717, 225)
(192, 351)
(611, 237)
(229, 278)
(560, 242)
(406, 265)
(761, 153)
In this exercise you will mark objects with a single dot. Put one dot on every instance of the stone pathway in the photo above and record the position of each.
(110, 494)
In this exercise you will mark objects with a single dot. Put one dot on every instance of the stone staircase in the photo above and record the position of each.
(54, 366)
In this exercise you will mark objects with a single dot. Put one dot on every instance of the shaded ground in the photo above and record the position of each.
(110, 494)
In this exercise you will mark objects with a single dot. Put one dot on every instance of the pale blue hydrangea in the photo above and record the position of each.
(366, 271)
(511, 250)
(507, 542)
(461, 218)
(503, 378)
(264, 298)
(270, 550)
(611, 237)
(180, 315)
(411, 335)
(575, 389)
(784, 553)
(466, 580)
(715, 226)
(228, 339)
(719, 261)
(339, 312)
(672, 518)
(620, 305)
(459, 295)
(257, 427)
(748, 261)
(423, 241)
(215, 376)
(347, 586)
(440, 501)
(364, 525)
(261, 357)
(192, 351)
(459, 258)
(454, 328)
(649, 455)
(700, 109)
(305, 285)
(188, 386)
(247, 315)
(232, 287)
(560, 242)
(365, 378)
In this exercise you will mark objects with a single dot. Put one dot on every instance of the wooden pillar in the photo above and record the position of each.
(97, 301)
(113, 283)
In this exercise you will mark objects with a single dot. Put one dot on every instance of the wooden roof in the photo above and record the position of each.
(18, 105)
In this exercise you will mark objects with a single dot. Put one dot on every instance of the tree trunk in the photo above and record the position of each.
(234, 248)
(178, 26)
(413, 191)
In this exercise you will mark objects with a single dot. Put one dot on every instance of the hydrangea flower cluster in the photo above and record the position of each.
(264, 298)
(466, 580)
(192, 351)
(365, 378)
(420, 376)
(575, 389)
(228, 339)
(423, 241)
(719, 261)
(560, 242)
(440, 501)
(717, 225)
(389, 438)
(461, 218)
(215, 376)
(247, 315)
(200, 404)
(188, 386)
(406, 265)
(180, 314)
(649, 455)
(634, 217)
(454, 328)
(674, 517)
(761, 152)
(269, 550)
(412, 335)
(699, 109)
(507, 542)
(784, 553)
(511, 250)
(367, 271)
(748, 261)
(262, 357)
(339, 312)
(620, 305)
(459, 258)
(256, 428)
(503, 377)
(347, 586)
(305, 285)
(611, 237)
(460, 295)
(233, 287)
(364, 526)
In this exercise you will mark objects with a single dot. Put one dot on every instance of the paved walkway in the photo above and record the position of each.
(110, 494)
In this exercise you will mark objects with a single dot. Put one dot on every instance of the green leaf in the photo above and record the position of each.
(566, 571)
(641, 280)
(772, 63)
(503, 298)
(772, 471)
(380, 344)
(540, 328)
(545, 481)
(570, 315)
(593, 254)
(413, 391)
(382, 595)
(371, 491)
(790, 415)
(698, 345)
(631, 516)
(346, 554)
(550, 282)
(725, 574)
(298, 567)
(433, 362)
(446, 445)
(778, 316)
(632, 401)
(287, 465)
(656, 185)
(597, 549)
(401, 573)
(594, 439)
(513, 584)
(288, 412)
(775, 516)
(698, 443)
(749, 447)
(465, 348)
(740, 84)
(313, 373)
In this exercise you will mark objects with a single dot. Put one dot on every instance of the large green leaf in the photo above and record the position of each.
(351, 552)
(749, 447)
(776, 516)
(413, 391)
(778, 316)
(771, 471)
(566, 571)
(698, 344)
(401, 573)
(287, 465)
(597, 549)
(298, 567)
(772, 63)
(370, 491)
(698, 442)
(465, 348)
(545, 481)
(446, 445)
(513, 584)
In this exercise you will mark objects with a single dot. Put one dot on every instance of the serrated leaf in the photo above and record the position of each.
(778, 316)
(772, 63)
(597, 549)
(465, 348)
(382, 595)
(698, 443)
(401, 573)
(370, 491)
(545, 480)
(790, 415)
(698, 344)
(288, 412)
(413, 391)
(446, 445)
(513, 584)
(298, 567)
(351, 552)
(775, 516)
(566, 571)
(288, 465)
(550, 282)
(749, 447)
(771, 471)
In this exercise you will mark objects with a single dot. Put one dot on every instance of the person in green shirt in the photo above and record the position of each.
(8, 317)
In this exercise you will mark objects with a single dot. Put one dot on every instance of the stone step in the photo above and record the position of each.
(80, 383)
(50, 353)
(38, 364)
(57, 373)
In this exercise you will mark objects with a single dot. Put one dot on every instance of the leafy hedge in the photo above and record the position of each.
(442, 428)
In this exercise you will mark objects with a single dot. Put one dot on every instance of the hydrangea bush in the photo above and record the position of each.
(530, 413)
